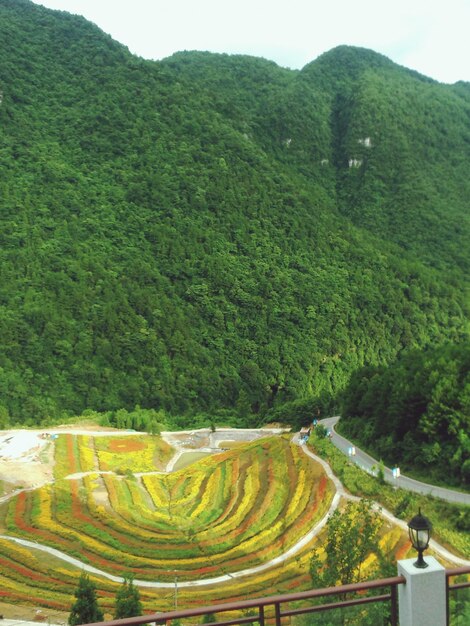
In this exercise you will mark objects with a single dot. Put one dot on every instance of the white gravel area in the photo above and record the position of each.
(23, 445)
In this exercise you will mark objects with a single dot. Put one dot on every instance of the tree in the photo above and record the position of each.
(85, 609)
(381, 472)
(352, 535)
(127, 599)
(153, 427)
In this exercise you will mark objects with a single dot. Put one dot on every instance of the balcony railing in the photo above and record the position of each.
(279, 610)
(457, 571)
(275, 610)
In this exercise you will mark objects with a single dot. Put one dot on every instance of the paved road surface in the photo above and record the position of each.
(365, 461)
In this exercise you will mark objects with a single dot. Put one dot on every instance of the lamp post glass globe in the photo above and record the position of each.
(420, 532)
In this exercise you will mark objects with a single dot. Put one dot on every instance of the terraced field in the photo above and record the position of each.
(112, 506)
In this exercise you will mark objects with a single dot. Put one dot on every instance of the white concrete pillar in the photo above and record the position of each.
(422, 600)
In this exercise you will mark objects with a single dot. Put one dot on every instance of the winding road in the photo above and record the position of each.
(340, 493)
(366, 462)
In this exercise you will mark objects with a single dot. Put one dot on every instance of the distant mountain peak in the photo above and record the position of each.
(351, 62)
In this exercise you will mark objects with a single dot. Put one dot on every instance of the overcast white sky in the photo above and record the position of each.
(430, 36)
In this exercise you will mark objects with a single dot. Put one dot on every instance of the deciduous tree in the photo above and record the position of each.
(351, 536)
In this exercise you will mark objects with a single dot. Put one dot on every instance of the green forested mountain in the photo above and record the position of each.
(214, 232)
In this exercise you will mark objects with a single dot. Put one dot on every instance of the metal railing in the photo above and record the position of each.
(274, 610)
(456, 571)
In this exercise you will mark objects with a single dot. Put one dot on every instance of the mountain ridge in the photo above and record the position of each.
(188, 235)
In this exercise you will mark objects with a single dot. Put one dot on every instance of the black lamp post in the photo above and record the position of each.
(419, 529)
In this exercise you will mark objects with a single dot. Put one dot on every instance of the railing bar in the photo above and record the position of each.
(459, 585)
(394, 605)
(259, 603)
(336, 605)
(240, 620)
(457, 571)
(447, 601)
(278, 601)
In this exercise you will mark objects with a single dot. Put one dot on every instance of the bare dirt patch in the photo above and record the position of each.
(231, 445)
(27, 456)
(37, 615)
(26, 460)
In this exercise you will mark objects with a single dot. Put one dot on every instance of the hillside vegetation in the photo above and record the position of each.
(416, 410)
(214, 233)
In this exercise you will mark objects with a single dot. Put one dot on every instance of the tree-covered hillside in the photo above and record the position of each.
(188, 235)
(409, 140)
(416, 411)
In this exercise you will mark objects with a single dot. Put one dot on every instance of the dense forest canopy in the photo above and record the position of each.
(214, 233)
(416, 410)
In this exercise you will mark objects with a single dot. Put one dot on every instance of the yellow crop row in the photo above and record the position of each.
(119, 504)
(19, 552)
(193, 490)
(230, 489)
(244, 505)
(61, 458)
(300, 491)
(233, 474)
(208, 496)
(368, 562)
(140, 498)
(47, 520)
(390, 539)
(157, 490)
(53, 524)
(86, 453)
(13, 585)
